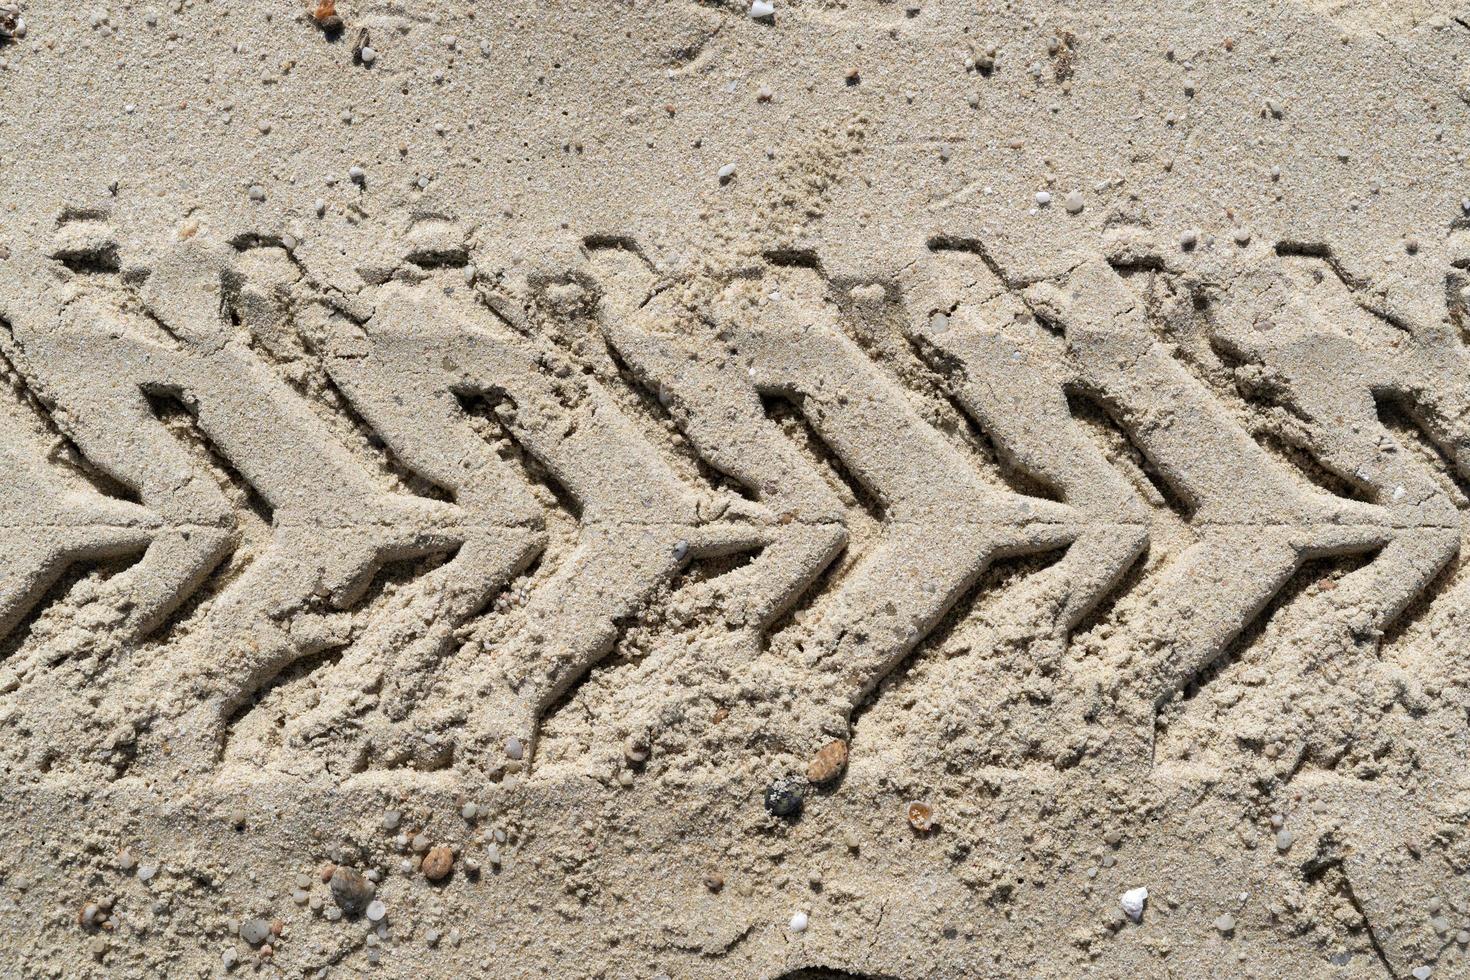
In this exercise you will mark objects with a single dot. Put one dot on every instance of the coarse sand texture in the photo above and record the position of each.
(793, 489)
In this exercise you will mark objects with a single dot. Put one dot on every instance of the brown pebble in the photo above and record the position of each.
(714, 882)
(438, 862)
(721, 714)
(327, 871)
(828, 763)
(351, 890)
(921, 815)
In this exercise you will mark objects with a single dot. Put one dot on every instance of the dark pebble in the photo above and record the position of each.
(784, 797)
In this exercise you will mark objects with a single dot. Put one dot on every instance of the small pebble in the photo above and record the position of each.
(635, 751)
(785, 797)
(1225, 924)
(257, 193)
(1422, 972)
(514, 749)
(391, 819)
(469, 811)
(1133, 902)
(351, 891)
(1284, 840)
(761, 9)
(1043, 198)
(828, 762)
(1188, 239)
(356, 174)
(376, 910)
(255, 931)
(798, 922)
(438, 863)
(1073, 202)
(727, 171)
(368, 54)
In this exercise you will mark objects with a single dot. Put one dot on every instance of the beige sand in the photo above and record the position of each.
(502, 449)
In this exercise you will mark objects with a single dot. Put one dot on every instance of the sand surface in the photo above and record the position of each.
(636, 489)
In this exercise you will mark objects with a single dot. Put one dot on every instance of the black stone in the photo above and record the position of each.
(785, 797)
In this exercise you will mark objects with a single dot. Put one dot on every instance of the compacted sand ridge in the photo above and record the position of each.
(698, 489)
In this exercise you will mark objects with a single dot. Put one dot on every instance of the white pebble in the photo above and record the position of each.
(798, 922)
(1423, 972)
(257, 193)
(1073, 202)
(762, 8)
(514, 748)
(1043, 198)
(356, 174)
(376, 910)
(1133, 901)
(369, 54)
(727, 171)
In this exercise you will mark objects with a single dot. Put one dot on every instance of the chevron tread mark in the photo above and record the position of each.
(402, 357)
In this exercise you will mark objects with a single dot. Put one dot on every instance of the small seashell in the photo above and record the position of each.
(921, 815)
